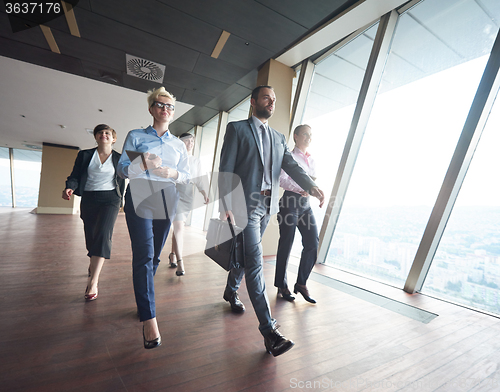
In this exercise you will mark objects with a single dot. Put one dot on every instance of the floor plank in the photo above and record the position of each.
(52, 340)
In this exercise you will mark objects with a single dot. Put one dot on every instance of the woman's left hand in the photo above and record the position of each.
(166, 172)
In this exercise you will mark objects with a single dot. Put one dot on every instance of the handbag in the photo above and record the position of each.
(225, 244)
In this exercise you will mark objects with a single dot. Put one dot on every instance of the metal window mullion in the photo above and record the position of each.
(299, 101)
(408, 6)
(366, 99)
(198, 132)
(221, 131)
(12, 179)
(459, 164)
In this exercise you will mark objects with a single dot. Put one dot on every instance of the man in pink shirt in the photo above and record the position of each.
(295, 212)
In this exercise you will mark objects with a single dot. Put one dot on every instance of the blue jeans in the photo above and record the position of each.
(295, 212)
(256, 287)
(147, 237)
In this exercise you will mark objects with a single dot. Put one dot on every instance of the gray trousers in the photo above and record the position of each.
(257, 224)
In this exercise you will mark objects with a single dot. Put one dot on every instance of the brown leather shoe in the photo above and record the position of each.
(276, 343)
(233, 299)
(285, 294)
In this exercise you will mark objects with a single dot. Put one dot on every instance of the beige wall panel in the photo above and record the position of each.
(57, 163)
(280, 77)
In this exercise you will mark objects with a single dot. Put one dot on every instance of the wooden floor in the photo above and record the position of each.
(51, 340)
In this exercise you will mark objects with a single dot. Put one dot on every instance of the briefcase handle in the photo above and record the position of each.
(228, 218)
(231, 227)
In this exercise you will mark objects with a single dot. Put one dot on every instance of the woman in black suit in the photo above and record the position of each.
(94, 178)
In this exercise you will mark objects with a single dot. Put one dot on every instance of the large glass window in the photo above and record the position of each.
(295, 82)
(27, 169)
(5, 186)
(27, 166)
(329, 108)
(466, 267)
(207, 148)
(437, 58)
(240, 112)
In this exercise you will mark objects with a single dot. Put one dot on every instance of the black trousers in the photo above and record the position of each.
(296, 213)
(98, 210)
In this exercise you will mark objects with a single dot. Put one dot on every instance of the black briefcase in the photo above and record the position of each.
(225, 244)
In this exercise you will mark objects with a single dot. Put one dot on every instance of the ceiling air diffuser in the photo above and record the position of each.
(145, 69)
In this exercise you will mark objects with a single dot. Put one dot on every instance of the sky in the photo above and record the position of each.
(409, 141)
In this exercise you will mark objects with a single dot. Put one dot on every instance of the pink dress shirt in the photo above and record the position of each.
(306, 161)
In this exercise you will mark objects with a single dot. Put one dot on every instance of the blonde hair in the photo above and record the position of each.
(159, 92)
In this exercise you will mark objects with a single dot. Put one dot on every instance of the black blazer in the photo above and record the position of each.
(79, 175)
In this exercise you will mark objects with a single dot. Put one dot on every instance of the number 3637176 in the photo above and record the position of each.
(33, 8)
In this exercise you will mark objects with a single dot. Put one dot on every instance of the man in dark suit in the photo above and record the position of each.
(256, 153)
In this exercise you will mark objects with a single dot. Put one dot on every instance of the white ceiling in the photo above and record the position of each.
(359, 15)
(49, 98)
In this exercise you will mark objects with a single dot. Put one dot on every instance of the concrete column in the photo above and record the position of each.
(280, 77)
(57, 163)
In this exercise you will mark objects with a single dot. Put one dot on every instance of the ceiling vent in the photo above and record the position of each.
(109, 77)
(145, 69)
(32, 146)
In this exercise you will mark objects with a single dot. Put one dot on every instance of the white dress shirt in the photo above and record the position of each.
(100, 175)
(258, 123)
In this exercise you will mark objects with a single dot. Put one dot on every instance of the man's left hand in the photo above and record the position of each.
(318, 193)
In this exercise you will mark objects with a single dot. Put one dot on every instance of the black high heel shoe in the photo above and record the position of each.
(180, 268)
(149, 344)
(302, 289)
(173, 264)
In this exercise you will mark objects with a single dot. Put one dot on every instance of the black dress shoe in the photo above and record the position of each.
(276, 343)
(285, 294)
(302, 289)
(148, 344)
(233, 299)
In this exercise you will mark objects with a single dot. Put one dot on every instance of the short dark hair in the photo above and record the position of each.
(256, 91)
(102, 127)
(186, 134)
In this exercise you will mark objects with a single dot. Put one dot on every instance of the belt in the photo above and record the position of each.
(267, 192)
(292, 194)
